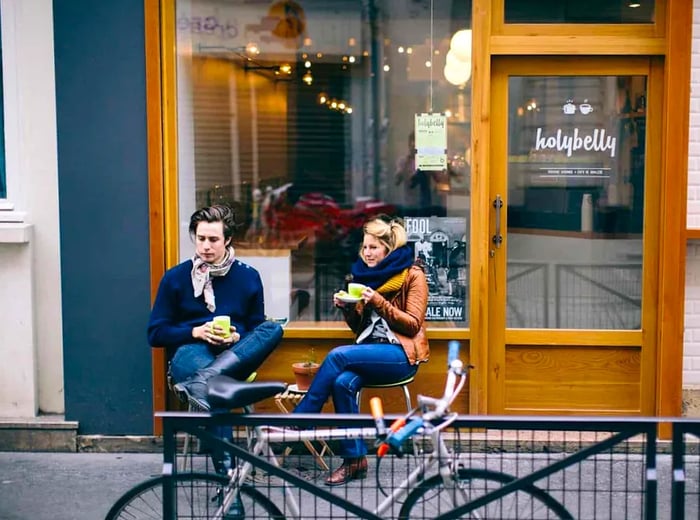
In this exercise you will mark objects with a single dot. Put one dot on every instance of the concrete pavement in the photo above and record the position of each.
(69, 486)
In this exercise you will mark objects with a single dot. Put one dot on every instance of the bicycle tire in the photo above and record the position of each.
(530, 502)
(196, 498)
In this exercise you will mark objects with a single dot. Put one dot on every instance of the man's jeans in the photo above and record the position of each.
(252, 350)
(345, 370)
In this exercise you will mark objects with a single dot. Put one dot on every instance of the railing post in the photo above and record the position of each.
(677, 465)
(169, 469)
(651, 498)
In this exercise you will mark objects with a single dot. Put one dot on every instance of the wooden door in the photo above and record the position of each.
(574, 231)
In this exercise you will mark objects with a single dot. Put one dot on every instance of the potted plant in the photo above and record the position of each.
(304, 371)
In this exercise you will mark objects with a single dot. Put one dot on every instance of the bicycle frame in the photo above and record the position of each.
(262, 456)
(441, 458)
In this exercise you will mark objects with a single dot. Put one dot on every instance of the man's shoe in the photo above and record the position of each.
(194, 393)
(351, 469)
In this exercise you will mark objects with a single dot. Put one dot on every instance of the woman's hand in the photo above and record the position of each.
(213, 334)
(367, 294)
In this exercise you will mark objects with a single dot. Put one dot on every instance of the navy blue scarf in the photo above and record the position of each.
(393, 264)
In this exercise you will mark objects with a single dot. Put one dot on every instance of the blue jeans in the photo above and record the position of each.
(252, 350)
(345, 370)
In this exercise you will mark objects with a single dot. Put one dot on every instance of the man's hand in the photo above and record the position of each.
(213, 334)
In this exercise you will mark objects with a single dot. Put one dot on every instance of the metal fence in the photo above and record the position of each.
(584, 296)
(579, 467)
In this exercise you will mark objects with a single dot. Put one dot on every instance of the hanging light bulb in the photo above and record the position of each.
(307, 77)
(458, 75)
(252, 49)
(458, 61)
(322, 98)
(461, 44)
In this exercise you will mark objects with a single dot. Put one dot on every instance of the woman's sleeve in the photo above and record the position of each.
(352, 317)
(406, 321)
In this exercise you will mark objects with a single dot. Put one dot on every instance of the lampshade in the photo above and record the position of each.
(458, 73)
(461, 44)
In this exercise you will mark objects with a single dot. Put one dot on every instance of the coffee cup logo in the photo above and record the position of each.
(585, 107)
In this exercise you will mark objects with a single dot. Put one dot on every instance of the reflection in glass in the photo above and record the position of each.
(575, 11)
(575, 201)
(300, 115)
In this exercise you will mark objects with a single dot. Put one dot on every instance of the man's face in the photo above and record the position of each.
(210, 243)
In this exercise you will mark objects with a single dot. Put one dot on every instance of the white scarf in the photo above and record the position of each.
(202, 273)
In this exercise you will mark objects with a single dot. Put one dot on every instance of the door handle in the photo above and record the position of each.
(497, 205)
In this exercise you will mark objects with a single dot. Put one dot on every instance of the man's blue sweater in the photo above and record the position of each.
(176, 311)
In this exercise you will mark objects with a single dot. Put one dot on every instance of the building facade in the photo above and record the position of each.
(121, 118)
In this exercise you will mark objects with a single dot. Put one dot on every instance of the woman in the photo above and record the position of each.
(212, 283)
(388, 323)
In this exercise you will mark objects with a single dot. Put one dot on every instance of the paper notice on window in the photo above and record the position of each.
(431, 142)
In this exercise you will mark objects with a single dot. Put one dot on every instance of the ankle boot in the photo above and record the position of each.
(351, 469)
(195, 388)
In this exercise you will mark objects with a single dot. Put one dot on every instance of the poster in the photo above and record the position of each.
(431, 142)
(440, 245)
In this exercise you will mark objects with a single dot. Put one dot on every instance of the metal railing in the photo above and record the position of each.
(597, 468)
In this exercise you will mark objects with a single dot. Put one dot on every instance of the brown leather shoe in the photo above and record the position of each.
(351, 469)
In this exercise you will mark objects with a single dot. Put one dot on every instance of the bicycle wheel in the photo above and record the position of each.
(431, 498)
(198, 495)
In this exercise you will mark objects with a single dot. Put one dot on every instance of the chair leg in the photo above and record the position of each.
(407, 395)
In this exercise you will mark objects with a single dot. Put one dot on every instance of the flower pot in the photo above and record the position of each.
(304, 373)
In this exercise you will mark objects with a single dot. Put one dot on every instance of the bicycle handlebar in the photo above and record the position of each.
(402, 429)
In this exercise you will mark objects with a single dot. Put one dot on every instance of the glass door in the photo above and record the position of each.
(574, 208)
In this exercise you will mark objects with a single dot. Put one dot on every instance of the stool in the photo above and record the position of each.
(403, 384)
(286, 401)
(407, 395)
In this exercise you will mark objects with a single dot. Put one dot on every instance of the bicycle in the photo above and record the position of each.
(439, 484)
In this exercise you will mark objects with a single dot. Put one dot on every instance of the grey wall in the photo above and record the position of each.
(103, 192)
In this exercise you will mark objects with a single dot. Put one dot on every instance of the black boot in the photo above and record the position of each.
(194, 390)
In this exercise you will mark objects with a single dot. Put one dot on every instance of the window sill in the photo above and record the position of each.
(15, 233)
(338, 330)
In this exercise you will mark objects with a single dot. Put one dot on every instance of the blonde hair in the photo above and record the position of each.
(389, 232)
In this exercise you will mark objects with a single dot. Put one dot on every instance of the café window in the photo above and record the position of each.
(574, 11)
(301, 116)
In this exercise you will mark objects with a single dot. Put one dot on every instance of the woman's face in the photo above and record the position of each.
(373, 251)
(209, 242)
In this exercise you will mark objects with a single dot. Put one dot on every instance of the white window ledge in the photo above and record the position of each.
(15, 233)
(8, 213)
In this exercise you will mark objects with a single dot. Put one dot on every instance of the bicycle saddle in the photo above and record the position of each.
(226, 392)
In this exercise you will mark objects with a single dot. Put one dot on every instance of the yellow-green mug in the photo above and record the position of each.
(355, 289)
(223, 322)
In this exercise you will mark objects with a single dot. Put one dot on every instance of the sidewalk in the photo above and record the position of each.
(69, 486)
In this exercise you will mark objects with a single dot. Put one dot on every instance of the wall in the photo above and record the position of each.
(103, 188)
(691, 351)
(30, 325)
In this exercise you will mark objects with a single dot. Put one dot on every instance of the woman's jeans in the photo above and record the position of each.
(252, 350)
(345, 370)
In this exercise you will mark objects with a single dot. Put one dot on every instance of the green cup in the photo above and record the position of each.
(223, 322)
(355, 289)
